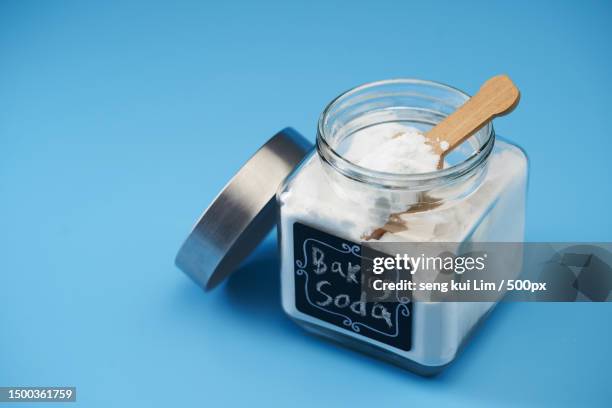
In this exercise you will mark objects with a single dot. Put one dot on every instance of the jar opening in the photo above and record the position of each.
(416, 103)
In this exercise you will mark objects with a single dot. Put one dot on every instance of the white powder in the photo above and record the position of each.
(354, 210)
(391, 148)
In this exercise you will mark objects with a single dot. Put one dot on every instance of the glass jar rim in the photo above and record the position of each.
(398, 180)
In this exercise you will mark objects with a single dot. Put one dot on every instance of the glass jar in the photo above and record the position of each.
(329, 206)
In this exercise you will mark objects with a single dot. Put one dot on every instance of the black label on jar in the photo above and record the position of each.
(328, 287)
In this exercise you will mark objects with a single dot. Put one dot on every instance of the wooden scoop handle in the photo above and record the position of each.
(498, 96)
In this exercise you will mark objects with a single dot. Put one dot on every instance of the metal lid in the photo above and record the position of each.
(243, 212)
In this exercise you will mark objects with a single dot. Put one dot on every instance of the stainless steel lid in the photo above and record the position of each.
(243, 212)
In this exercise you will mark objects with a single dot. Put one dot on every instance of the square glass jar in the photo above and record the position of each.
(329, 206)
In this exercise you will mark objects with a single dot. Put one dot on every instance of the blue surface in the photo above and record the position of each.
(120, 122)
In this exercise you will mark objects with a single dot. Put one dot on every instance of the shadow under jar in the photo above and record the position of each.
(329, 206)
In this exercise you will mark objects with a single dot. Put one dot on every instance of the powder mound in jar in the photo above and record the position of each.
(404, 151)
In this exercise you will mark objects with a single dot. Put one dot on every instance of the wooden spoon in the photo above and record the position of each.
(496, 97)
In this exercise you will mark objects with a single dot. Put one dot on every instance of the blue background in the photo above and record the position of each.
(119, 122)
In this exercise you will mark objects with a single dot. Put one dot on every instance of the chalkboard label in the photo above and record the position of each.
(328, 287)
